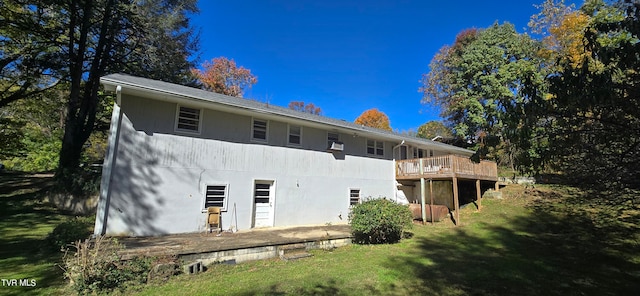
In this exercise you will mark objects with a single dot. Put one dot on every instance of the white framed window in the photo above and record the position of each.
(354, 196)
(295, 135)
(332, 137)
(216, 196)
(259, 130)
(375, 147)
(188, 119)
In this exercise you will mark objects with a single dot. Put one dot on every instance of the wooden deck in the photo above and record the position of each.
(446, 167)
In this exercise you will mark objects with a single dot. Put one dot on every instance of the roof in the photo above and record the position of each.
(165, 89)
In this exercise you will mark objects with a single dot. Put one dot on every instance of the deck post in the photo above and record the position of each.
(478, 194)
(431, 195)
(456, 202)
(422, 193)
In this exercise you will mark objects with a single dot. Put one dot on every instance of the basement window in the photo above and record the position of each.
(375, 147)
(354, 196)
(216, 196)
(188, 119)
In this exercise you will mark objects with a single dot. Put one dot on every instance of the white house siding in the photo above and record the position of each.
(158, 181)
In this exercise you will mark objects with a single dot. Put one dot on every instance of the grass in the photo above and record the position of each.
(545, 241)
(551, 240)
(25, 221)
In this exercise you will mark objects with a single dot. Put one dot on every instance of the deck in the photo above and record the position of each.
(446, 167)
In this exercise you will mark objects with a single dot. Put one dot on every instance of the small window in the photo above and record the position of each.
(188, 119)
(259, 130)
(375, 147)
(216, 196)
(332, 137)
(354, 196)
(295, 135)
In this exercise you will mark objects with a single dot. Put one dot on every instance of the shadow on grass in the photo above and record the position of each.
(328, 287)
(568, 247)
(25, 221)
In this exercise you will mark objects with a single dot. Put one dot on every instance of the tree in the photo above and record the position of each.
(306, 108)
(593, 106)
(221, 75)
(482, 83)
(83, 40)
(434, 128)
(374, 118)
(563, 28)
(30, 62)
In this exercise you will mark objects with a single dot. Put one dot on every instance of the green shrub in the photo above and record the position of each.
(379, 221)
(95, 267)
(70, 231)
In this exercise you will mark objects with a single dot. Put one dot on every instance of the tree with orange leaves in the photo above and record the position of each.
(221, 75)
(304, 107)
(374, 118)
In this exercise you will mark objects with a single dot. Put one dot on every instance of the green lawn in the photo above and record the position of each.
(25, 222)
(547, 241)
(552, 240)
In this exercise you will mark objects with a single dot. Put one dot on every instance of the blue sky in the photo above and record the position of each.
(345, 56)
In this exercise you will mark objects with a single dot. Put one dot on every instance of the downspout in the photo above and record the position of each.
(108, 167)
(395, 186)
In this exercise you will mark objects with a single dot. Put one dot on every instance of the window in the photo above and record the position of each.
(354, 196)
(422, 153)
(188, 119)
(375, 147)
(295, 135)
(216, 196)
(332, 137)
(259, 130)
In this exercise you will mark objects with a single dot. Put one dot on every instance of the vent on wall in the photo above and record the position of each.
(336, 146)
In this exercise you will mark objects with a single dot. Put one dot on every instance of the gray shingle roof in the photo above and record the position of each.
(157, 86)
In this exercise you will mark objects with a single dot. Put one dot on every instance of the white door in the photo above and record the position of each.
(263, 198)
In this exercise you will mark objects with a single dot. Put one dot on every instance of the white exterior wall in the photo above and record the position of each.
(159, 177)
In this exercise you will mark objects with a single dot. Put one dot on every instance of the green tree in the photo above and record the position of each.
(593, 106)
(78, 41)
(482, 83)
(434, 128)
(30, 60)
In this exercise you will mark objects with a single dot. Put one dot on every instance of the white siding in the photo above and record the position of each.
(159, 178)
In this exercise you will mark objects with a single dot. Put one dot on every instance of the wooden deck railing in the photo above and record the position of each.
(443, 166)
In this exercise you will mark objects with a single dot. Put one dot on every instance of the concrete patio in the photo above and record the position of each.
(228, 247)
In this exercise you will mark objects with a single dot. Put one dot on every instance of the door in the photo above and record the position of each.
(264, 199)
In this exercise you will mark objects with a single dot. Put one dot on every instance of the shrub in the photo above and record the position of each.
(70, 231)
(379, 221)
(96, 267)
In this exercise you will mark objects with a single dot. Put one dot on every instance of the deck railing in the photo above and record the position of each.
(445, 165)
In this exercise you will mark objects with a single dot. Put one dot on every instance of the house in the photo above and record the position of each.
(174, 151)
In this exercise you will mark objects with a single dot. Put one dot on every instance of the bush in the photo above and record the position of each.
(68, 232)
(95, 267)
(379, 221)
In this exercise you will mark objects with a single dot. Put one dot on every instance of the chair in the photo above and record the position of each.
(213, 218)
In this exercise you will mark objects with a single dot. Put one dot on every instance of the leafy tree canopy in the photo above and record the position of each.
(77, 42)
(434, 129)
(374, 118)
(222, 75)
